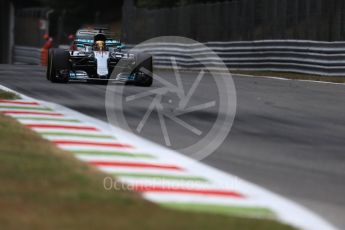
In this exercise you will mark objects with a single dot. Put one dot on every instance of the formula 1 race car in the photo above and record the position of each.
(96, 57)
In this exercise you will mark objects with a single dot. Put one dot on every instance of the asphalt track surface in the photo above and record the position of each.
(288, 136)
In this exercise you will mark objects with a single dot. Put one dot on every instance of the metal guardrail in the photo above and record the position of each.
(299, 56)
(26, 55)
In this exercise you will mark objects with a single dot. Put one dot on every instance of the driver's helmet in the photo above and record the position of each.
(99, 44)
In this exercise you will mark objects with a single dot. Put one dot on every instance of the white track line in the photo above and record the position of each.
(287, 79)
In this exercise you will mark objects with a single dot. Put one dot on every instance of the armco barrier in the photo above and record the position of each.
(300, 56)
(26, 55)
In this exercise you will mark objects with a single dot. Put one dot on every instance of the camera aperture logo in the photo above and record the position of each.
(191, 105)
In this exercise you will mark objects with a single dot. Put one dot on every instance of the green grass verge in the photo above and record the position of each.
(43, 187)
(8, 95)
(292, 76)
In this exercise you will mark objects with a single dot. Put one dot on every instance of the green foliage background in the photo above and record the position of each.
(171, 3)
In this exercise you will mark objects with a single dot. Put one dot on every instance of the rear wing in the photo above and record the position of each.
(93, 32)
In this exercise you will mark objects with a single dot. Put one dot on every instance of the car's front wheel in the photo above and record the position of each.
(58, 63)
(144, 70)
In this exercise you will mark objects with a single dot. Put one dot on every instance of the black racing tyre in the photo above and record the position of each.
(48, 71)
(57, 61)
(144, 70)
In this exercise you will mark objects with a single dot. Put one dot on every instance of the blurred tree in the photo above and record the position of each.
(27, 3)
(171, 3)
(83, 9)
(77, 13)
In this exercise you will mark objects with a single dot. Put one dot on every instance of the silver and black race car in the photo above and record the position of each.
(95, 56)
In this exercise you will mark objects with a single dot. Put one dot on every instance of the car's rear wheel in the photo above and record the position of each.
(57, 63)
(48, 67)
(144, 70)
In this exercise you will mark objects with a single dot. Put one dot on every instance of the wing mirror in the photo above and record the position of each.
(88, 49)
